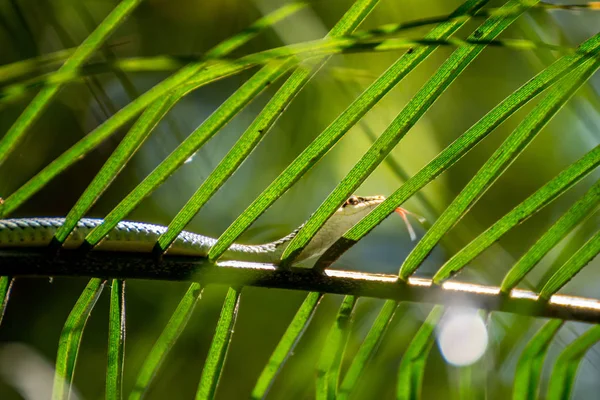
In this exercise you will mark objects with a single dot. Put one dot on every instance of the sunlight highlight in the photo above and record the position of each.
(470, 288)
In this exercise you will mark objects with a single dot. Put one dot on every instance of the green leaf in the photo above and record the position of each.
(6, 283)
(211, 373)
(144, 126)
(260, 126)
(115, 164)
(223, 67)
(102, 132)
(367, 349)
(531, 362)
(542, 197)
(24, 67)
(170, 63)
(413, 111)
(566, 250)
(197, 70)
(571, 267)
(352, 18)
(564, 372)
(189, 146)
(70, 339)
(363, 41)
(336, 130)
(412, 366)
(457, 149)
(116, 341)
(582, 209)
(166, 341)
(510, 149)
(70, 67)
(286, 345)
(330, 362)
(358, 43)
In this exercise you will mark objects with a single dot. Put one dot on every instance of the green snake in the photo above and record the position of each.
(129, 236)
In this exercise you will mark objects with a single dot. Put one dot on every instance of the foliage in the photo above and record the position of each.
(547, 210)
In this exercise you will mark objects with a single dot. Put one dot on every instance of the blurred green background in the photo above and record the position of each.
(38, 307)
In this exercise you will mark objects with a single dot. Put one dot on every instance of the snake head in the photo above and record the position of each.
(356, 207)
(352, 211)
(360, 205)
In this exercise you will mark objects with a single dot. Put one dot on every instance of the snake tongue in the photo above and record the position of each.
(404, 213)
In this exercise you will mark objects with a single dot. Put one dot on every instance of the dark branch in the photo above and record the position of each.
(142, 266)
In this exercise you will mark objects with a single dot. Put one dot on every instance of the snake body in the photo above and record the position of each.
(129, 236)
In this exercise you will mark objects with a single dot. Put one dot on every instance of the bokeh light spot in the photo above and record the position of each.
(462, 337)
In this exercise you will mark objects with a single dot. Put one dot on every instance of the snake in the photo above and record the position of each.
(140, 237)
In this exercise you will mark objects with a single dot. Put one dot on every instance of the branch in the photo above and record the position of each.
(171, 268)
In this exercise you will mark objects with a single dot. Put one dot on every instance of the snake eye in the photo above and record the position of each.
(351, 201)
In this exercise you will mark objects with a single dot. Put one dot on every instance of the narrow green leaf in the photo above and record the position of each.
(367, 349)
(13, 70)
(457, 149)
(211, 373)
(542, 197)
(222, 67)
(166, 341)
(94, 138)
(115, 164)
(531, 362)
(267, 21)
(240, 151)
(330, 362)
(363, 41)
(260, 126)
(582, 209)
(25, 67)
(201, 75)
(70, 339)
(303, 51)
(142, 129)
(571, 245)
(375, 43)
(226, 111)
(412, 366)
(108, 54)
(71, 65)
(352, 18)
(569, 269)
(511, 148)
(286, 345)
(6, 283)
(564, 372)
(169, 63)
(413, 111)
(501, 344)
(336, 130)
(116, 341)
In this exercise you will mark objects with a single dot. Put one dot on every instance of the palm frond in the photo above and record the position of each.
(340, 343)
